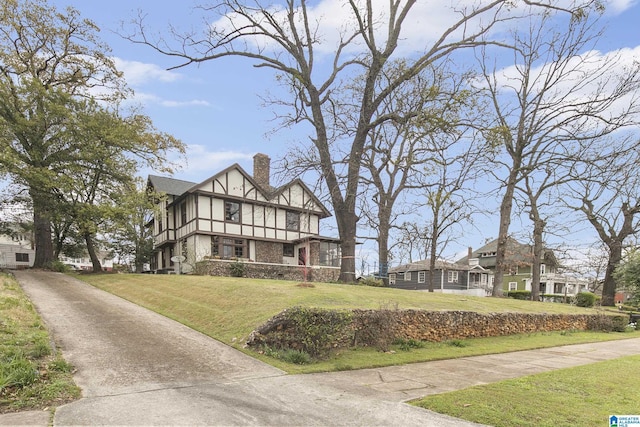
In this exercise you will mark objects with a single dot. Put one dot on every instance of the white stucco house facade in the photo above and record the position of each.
(234, 216)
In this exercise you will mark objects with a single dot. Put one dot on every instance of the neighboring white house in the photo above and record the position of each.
(235, 216)
(86, 264)
(16, 250)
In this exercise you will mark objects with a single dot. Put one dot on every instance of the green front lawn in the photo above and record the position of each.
(228, 309)
(581, 396)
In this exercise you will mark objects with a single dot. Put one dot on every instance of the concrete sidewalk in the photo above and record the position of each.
(138, 368)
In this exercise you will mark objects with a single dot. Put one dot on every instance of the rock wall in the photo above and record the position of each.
(378, 328)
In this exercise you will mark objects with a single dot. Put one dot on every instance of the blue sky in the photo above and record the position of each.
(215, 108)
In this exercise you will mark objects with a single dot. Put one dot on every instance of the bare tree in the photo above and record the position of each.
(448, 191)
(607, 193)
(400, 151)
(557, 96)
(288, 39)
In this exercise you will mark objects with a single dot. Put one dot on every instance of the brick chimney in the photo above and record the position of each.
(262, 170)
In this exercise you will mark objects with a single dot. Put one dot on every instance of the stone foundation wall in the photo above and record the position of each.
(259, 270)
(269, 252)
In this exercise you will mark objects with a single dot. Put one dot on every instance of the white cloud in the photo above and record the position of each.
(140, 73)
(203, 163)
(616, 7)
(148, 98)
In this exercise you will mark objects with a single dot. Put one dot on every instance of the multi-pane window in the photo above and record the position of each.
(330, 254)
(233, 248)
(228, 247)
(293, 221)
(20, 257)
(452, 276)
(422, 275)
(232, 211)
(513, 286)
(392, 278)
(407, 276)
(543, 269)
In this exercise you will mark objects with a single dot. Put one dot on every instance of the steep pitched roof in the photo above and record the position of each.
(176, 187)
(170, 186)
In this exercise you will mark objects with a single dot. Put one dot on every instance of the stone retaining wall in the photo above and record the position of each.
(378, 328)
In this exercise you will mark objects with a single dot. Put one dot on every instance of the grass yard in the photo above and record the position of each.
(31, 377)
(581, 396)
(228, 309)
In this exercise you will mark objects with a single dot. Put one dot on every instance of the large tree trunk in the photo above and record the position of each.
(609, 285)
(95, 261)
(503, 232)
(538, 253)
(383, 243)
(42, 231)
(433, 249)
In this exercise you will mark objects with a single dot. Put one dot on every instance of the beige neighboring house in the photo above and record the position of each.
(16, 250)
(233, 216)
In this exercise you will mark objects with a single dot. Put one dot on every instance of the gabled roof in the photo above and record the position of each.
(179, 188)
(423, 265)
(170, 186)
(516, 252)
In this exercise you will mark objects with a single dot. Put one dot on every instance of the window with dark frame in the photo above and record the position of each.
(21, 257)
(215, 246)
(183, 213)
(288, 250)
(232, 211)
(227, 247)
(293, 221)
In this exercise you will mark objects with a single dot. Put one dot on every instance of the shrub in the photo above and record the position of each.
(371, 281)
(237, 269)
(607, 323)
(585, 299)
(59, 267)
(316, 329)
(521, 295)
(620, 323)
(297, 357)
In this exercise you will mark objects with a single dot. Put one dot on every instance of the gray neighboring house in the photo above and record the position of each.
(448, 277)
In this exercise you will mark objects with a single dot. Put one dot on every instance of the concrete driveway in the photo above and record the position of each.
(136, 367)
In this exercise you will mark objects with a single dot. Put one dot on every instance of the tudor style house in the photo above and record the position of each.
(447, 277)
(235, 216)
(518, 277)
